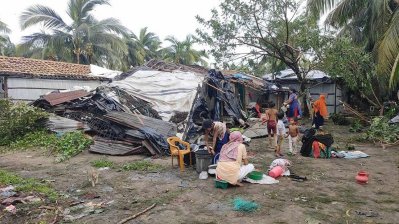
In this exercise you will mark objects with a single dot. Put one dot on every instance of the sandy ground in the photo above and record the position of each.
(330, 195)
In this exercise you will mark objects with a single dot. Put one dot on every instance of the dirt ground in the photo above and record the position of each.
(330, 195)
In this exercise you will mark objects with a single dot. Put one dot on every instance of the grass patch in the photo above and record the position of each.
(103, 162)
(27, 184)
(68, 145)
(142, 165)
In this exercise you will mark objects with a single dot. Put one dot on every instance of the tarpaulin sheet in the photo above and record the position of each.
(167, 91)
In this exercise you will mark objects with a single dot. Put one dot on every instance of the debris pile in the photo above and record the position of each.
(123, 124)
(142, 107)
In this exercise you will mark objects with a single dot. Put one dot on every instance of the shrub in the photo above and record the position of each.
(70, 144)
(17, 119)
(39, 138)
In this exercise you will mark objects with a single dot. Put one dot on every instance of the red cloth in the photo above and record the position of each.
(316, 149)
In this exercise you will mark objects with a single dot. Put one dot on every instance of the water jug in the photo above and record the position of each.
(362, 177)
(276, 171)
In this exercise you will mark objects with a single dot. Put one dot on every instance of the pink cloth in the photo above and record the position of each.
(229, 151)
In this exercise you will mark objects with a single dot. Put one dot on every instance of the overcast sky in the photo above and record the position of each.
(163, 17)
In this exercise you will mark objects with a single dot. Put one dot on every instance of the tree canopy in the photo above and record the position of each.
(373, 24)
(263, 31)
(85, 40)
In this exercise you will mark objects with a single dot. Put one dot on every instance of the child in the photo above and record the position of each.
(281, 133)
(293, 132)
(271, 119)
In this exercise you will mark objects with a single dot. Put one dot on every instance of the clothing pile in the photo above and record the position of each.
(316, 145)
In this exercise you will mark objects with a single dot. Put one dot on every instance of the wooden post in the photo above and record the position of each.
(5, 87)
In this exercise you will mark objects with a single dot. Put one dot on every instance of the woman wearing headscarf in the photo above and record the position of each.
(320, 111)
(233, 163)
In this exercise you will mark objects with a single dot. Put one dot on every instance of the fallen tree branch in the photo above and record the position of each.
(355, 112)
(136, 215)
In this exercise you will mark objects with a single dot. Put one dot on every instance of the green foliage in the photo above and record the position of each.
(182, 52)
(84, 40)
(373, 24)
(263, 32)
(103, 162)
(356, 126)
(40, 138)
(27, 184)
(350, 63)
(381, 131)
(142, 47)
(18, 119)
(70, 144)
(142, 165)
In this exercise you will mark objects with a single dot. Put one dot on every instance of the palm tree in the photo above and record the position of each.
(183, 52)
(86, 40)
(143, 47)
(373, 23)
(6, 47)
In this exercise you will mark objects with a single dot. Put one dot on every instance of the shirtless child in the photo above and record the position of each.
(271, 119)
(293, 132)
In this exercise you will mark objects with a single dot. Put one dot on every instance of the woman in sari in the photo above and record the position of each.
(294, 109)
(233, 163)
(320, 111)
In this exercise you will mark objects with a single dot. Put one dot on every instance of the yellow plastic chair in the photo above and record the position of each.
(175, 151)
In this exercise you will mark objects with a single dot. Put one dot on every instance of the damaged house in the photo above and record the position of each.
(26, 79)
(139, 109)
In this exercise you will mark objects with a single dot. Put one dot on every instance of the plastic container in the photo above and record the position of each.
(276, 172)
(202, 160)
(362, 177)
(221, 184)
(255, 175)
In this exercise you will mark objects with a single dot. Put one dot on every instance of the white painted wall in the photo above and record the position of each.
(30, 89)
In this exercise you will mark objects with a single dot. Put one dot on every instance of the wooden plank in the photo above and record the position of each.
(149, 147)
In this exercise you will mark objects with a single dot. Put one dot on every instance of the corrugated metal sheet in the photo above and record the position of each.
(32, 89)
(57, 98)
(111, 148)
(332, 98)
(164, 128)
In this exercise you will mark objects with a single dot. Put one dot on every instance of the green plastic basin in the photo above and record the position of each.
(255, 175)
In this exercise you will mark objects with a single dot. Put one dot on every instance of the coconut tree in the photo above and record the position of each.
(142, 47)
(373, 23)
(6, 46)
(183, 52)
(84, 40)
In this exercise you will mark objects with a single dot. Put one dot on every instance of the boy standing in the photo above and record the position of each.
(293, 132)
(281, 133)
(271, 119)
